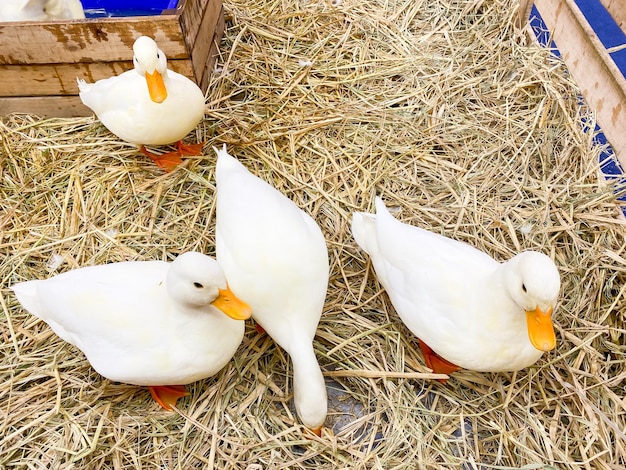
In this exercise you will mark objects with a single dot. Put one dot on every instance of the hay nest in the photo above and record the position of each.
(443, 108)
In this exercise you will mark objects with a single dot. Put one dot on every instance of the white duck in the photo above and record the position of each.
(473, 312)
(144, 322)
(40, 10)
(275, 258)
(149, 105)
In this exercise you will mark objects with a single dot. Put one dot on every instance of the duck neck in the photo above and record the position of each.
(497, 277)
(206, 314)
(499, 291)
(309, 386)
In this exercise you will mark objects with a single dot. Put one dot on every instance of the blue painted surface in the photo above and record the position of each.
(610, 35)
(100, 8)
(605, 28)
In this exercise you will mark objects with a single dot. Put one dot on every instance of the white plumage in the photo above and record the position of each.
(40, 10)
(471, 310)
(143, 322)
(149, 105)
(275, 258)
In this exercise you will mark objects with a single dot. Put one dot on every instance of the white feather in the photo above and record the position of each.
(457, 299)
(123, 103)
(141, 323)
(40, 10)
(276, 260)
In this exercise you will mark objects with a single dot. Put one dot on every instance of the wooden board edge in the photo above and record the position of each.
(45, 106)
(60, 79)
(617, 10)
(199, 30)
(213, 52)
(601, 83)
(89, 40)
(191, 17)
(523, 12)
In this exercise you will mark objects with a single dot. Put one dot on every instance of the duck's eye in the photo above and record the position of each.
(524, 287)
(158, 56)
(197, 285)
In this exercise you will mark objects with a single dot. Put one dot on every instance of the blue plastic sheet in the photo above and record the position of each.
(100, 8)
(610, 35)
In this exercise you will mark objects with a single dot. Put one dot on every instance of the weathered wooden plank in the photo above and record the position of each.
(191, 16)
(601, 82)
(523, 13)
(213, 52)
(45, 106)
(90, 40)
(617, 9)
(202, 45)
(39, 61)
(60, 79)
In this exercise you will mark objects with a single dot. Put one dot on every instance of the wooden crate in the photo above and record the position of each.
(601, 82)
(39, 61)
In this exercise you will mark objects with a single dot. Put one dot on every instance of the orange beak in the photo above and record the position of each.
(540, 329)
(228, 303)
(156, 87)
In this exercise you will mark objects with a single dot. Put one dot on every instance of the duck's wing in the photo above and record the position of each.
(431, 280)
(97, 305)
(432, 251)
(271, 251)
(413, 249)
(113, 93)
(275, 258)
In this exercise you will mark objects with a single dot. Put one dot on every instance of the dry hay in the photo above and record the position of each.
(459, 122)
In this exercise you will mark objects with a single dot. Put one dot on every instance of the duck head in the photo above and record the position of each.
(151, 63)
(533, 282)
(196, 280)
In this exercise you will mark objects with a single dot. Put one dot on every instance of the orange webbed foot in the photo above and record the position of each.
(168, 395)
(437, 363)
(167, 161)
(316, 431)
(189, 149)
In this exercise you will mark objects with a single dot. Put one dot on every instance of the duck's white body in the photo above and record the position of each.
(40, 10)
(125, 106)
(142, 323)
(466, 306)
(275, 258)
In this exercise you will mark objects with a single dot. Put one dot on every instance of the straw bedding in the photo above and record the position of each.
(443, 108)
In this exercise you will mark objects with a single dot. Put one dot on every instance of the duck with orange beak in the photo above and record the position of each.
(468, 310)
(149, 105)
(151, 323)
(275, 258)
